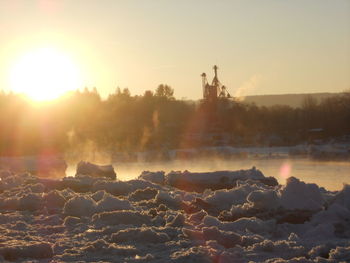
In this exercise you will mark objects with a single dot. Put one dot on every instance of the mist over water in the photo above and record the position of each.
(330, 175)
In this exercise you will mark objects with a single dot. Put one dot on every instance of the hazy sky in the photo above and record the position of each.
(261, 47)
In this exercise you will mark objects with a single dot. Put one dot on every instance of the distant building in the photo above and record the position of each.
(216, 89)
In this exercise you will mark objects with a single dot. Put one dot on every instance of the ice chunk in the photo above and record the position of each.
(168, 198)
(154, 177)
(320, 232)
(30, 202)
(143, 194)
(342, 198)
(281, 248)
(101, 246)
(197, 217)
(143, 235)
(54, 199)
(121, 217)
(97, 196)
(253, 224)
(87, 168)
(267, 199)
(192, 255)
(71, 221)
(299, 195)
(340, 254)
(212, 180)
(16, 250)
(224, 238)
(224, 199)
(80, 206)
(114, 187)
(36, 188)
(111, 203)
(178, 221)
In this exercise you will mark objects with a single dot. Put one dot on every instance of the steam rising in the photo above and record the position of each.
(248, 87)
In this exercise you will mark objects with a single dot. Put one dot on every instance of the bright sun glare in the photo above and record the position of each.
(44, 74)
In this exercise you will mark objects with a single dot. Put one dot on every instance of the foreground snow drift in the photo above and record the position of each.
(224, 216)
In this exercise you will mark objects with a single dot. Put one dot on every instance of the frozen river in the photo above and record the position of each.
(330, 175)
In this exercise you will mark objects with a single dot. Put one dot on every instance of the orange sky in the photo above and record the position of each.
(260, 47)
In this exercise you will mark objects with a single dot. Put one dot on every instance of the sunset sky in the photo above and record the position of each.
(261, 47)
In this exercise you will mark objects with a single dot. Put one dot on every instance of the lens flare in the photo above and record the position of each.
(285, 170)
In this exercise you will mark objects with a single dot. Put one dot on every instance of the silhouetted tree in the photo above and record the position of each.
(165, 91)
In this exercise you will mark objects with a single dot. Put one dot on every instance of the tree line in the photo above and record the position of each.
(156, 121)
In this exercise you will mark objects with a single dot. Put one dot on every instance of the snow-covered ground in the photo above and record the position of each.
(157, 218)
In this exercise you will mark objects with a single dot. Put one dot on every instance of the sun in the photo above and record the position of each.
(44, 74)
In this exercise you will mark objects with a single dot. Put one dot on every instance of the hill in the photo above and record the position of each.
(293, 100)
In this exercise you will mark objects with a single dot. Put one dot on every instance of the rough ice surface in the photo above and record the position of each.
(224, 216)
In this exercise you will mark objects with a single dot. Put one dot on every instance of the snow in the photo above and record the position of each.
(231, 216)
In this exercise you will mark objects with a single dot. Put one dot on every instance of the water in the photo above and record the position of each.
(331, 175)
